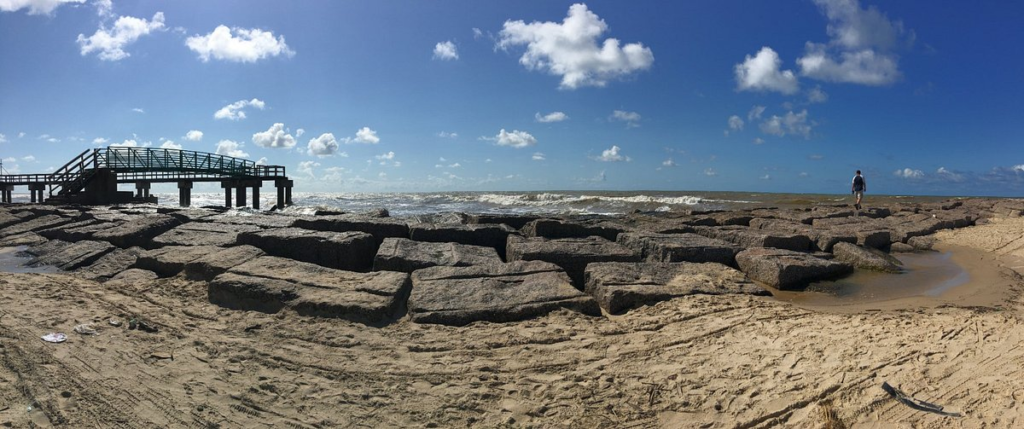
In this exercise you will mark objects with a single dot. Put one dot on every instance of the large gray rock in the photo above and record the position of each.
(23, 239)
(405, 255)
(110, 264)
(76, 231)
(36, 224)
(557, 228)
(878, 239)
(138, 231)
(261, 220)
(572, 254)
(494, 293)
(69, 256)
(866, 258)
(921, 243)
(746, 237)
(352, 251)
(135, 277)
(169, 261)
(786, 269)
(214, 264)
(379, 227)
(901, 248)
(269, 284)
(203, 234)
(7, 218)
(494, 236)
(514, 221)
(680, 248)
(619, 286)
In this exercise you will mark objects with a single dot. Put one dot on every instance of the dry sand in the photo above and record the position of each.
(701, 361)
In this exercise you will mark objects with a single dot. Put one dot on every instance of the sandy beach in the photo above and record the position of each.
(708, 361)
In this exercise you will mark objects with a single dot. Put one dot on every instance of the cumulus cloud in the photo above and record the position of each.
(669, 163)
(110, 42)
(537, 156)
(275, 137)
(612, 155)
(306, 167)
(550, 117)
(816, 95)
(299, 132)
(325, 145)
(238, 45)
(138, 110)
(517, 139)
(231, 148)
(791, 123)
(942, 172)
(755, 113)
(126, 143)
(235, 112)
(99, 141)
(170, 145)
(861, 48)
(908, 173)
(761, 73)
(386, 156)
(632, 119)
(570, 49)
(364, 135)
(758, 140)
(735, 123)
(194, 135)
(446, 51)
(35, 7)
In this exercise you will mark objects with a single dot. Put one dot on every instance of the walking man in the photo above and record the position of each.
(858, 187)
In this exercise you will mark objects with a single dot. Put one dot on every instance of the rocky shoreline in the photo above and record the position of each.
(459, 269)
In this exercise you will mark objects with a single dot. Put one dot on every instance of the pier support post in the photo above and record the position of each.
(227, 193)
(142, 189)
(284, 192)
(240, 195)
(36, 189)
(256, 185)
(185, 193)
(5, 193)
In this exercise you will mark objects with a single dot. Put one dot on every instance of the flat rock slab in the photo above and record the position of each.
(685, 247)
(23, 239)
(619, 287)
(786, 269)
(352, 251)
(214, 264)
(75, 231)
(7, 219)
(514, 221)
(405, 255)
(203, 234)
(133, 277)
(494, 236)
(865, 258)
(557, 228)
(270, 284)
(572, 254)
(746, 237)
(260, 220)
(169, 261)
(36, 224)
(110, 264)
(71, 256)
(379, 227)
(138, 231)
(494, 293)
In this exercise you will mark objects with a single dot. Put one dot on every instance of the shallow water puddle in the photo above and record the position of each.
(12, 261)
(927, 274)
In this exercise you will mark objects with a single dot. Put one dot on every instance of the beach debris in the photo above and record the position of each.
(55, 337)
(141, 325)
(85, 329)
(161, 355)
(114, 322)
(916, 404)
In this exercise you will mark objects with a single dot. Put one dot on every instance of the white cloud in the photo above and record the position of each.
(231, 148)
(234, 110)
(306, 167)
(669, 163)
(126, 143)
(477, 33)
(325, 145)
(755, 113)
(551, 117)
(386, 156)
(537, 156)
(244, 45)
(104, 8)
(816, 95)
(446, 51)
(170, 145)
(570, 49)
(299, 132)
(710, 172)
(275, 136)
(517, 139)
(908, 173)
(194, 135)
(612, 155)
(99, 141)
(3, 138)
(950, 175)
(35, 7)
(28, 158)
(21, 134)
(455, 165)
(735, 123)
(138, 110)
(110, 43)
(262, 161)
(447, 135)
(761, 73)
(863, 39)
(766, 177)
(758, 140)
(631, 119)
(791, 123)
(1019, 168)
(804, 174)
(364, 135)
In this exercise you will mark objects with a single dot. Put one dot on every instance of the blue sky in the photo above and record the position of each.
(356, 96)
